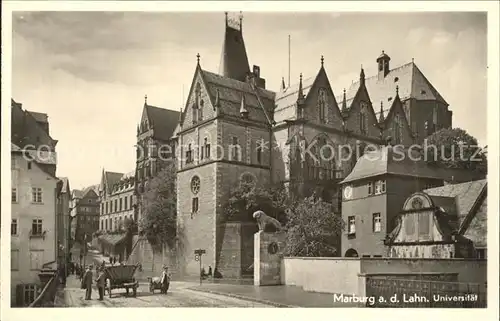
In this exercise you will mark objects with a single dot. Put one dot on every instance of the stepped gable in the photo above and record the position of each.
(411, 82)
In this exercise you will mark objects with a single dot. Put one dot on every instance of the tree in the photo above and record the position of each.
(159, 206)
(313, 228)
(455, 148)
(246, 199)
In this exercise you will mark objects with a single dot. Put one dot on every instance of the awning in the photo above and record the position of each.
(112, 239)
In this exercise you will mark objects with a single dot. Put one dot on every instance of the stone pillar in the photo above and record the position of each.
(268, 254)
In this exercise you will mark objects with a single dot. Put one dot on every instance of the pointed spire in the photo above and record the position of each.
(234, 60)
(198, 58)
(243, 109)
(397, 91)
(283, 86)
(381, 117)
(344, 102)
(241, 21)
(322, 60)
(301, 90)
(138, 131)
(362, 75)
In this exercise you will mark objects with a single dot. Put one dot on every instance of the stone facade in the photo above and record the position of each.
(272, 131)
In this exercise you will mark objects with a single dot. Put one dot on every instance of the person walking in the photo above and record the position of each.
(101, 281)
(87, 282)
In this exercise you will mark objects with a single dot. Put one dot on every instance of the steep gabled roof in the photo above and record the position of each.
(230, 92)
(395, 160)
(411, 81)
(65, 184)
(463, 196)
(26, 130)
(163, 121)
(111, 178)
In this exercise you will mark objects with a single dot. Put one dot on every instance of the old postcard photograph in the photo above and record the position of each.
(245, 156)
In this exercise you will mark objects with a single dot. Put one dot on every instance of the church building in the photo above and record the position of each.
(234, 129)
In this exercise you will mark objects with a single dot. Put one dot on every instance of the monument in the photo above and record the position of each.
(269, 244)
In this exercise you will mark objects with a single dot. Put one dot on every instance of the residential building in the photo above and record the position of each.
(33, 226)
(376, 190)
(443, 222)
(85, 208)
(116, 192)
(34, 183)
(118, 205)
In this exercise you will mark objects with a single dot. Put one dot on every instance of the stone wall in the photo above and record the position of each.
(348, 275)
(151, 258)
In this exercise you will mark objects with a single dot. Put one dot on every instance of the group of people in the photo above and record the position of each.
(216, 273)
(87, 280)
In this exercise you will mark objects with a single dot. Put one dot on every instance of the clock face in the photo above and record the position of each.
(347, 192)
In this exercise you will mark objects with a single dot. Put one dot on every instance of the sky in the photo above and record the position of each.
(90, 71)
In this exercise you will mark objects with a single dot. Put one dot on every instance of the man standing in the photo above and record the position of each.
(165, 280)
(87, 282)
(101, 281)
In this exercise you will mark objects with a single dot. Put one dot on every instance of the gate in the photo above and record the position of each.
(394, 292)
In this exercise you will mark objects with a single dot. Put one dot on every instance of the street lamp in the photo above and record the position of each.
(197, 257)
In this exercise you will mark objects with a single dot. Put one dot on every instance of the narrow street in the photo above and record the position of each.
(178, 296)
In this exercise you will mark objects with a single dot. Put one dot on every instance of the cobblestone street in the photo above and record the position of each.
(178, 296)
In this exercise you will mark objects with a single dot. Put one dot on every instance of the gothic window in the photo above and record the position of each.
(322, 105)
(205, 149)
(195, 114)
(189, 155)
(363, 119)
(259, 151)
(235, 149)
(200, 111)
(398, 129)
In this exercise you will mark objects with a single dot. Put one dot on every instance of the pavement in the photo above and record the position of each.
(277, 295)
(180, 294)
